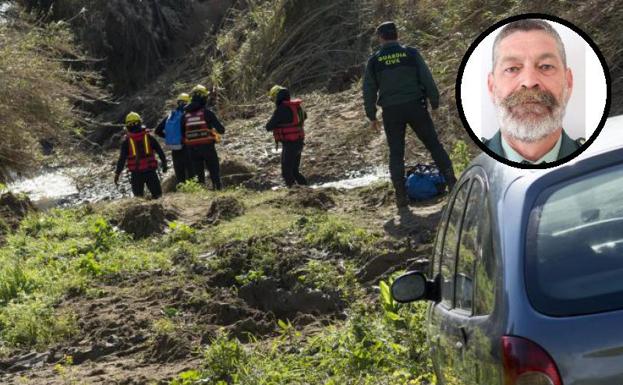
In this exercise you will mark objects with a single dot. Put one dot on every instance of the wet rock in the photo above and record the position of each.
(236, 171)
(224, 209)
(267, 296)
(310, 198)
(145, 219)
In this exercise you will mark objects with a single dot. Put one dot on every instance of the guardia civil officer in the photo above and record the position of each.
(398, 80)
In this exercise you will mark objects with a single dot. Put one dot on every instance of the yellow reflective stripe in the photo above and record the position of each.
(147, 149)
(132, 146)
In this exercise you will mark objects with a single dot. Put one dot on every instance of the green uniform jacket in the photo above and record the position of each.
(397, 74)
(567, 147)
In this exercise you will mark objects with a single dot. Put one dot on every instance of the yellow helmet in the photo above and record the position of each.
(183, 97)
(199, 90)
(274, 91)
(132, 118)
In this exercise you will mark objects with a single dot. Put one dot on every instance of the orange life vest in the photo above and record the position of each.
(293, 131)
(141, 156)
(197, 129)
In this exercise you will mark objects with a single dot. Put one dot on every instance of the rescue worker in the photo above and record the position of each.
(201, 129)
(170, 128)
(287, 127)
(398, 79)
(137, 151)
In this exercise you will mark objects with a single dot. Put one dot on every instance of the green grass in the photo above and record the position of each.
(365, 349)
(337, 233)
(259, 222)
(58, 252)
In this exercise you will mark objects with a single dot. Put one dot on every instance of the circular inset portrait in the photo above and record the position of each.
(533, 91)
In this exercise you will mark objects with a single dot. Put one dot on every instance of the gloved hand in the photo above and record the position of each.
(165, 168)
(116, 179)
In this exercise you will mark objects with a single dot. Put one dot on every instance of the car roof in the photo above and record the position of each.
(501, 175)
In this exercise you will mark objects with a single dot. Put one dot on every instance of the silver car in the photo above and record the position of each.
(527, 273)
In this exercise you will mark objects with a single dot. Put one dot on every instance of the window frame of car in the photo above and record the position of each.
(480, 202)
(474, 175)
(465, 184)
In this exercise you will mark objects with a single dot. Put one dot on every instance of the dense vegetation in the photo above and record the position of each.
(39, 91)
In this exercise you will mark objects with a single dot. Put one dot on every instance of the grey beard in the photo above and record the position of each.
(530, 130)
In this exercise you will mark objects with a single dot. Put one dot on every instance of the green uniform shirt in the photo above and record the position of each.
(514, 156)
(397, 74)
(567, 146)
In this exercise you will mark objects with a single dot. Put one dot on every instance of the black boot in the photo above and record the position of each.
(402, 200)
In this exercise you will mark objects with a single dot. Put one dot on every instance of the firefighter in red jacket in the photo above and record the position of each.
(137, 151)
(287, 127)
(201, 129)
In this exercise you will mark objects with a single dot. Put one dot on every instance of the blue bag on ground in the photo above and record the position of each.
(424, 182)
(173, 130)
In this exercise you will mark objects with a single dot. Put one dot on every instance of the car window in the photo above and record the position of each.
(469, 248)
(451, 238)
(486, 267)
(574, 246)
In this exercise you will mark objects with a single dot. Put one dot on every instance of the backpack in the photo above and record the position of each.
(173, 130)
(424, 182)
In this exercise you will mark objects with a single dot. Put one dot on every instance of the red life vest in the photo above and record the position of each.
(197, 129)
(141, 156)
(293, 131)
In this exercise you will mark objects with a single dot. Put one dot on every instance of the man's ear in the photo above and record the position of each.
(491, 86)
(569, 80)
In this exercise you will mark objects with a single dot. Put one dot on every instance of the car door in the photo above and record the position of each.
(455, 325)
(473, 329)
(441, 343)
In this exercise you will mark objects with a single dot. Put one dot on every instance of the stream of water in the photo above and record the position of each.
(4, 7)
(71, 186)
(66, 187)
(358, 179)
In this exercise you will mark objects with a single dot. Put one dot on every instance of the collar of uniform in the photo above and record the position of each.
(514, 156)
(391, 44)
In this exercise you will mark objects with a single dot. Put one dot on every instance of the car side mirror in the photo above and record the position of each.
(413, 286)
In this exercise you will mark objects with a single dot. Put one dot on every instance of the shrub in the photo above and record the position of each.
(38, 90)
(34, 323)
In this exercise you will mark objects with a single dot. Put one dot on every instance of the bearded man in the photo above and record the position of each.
(530, 85)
